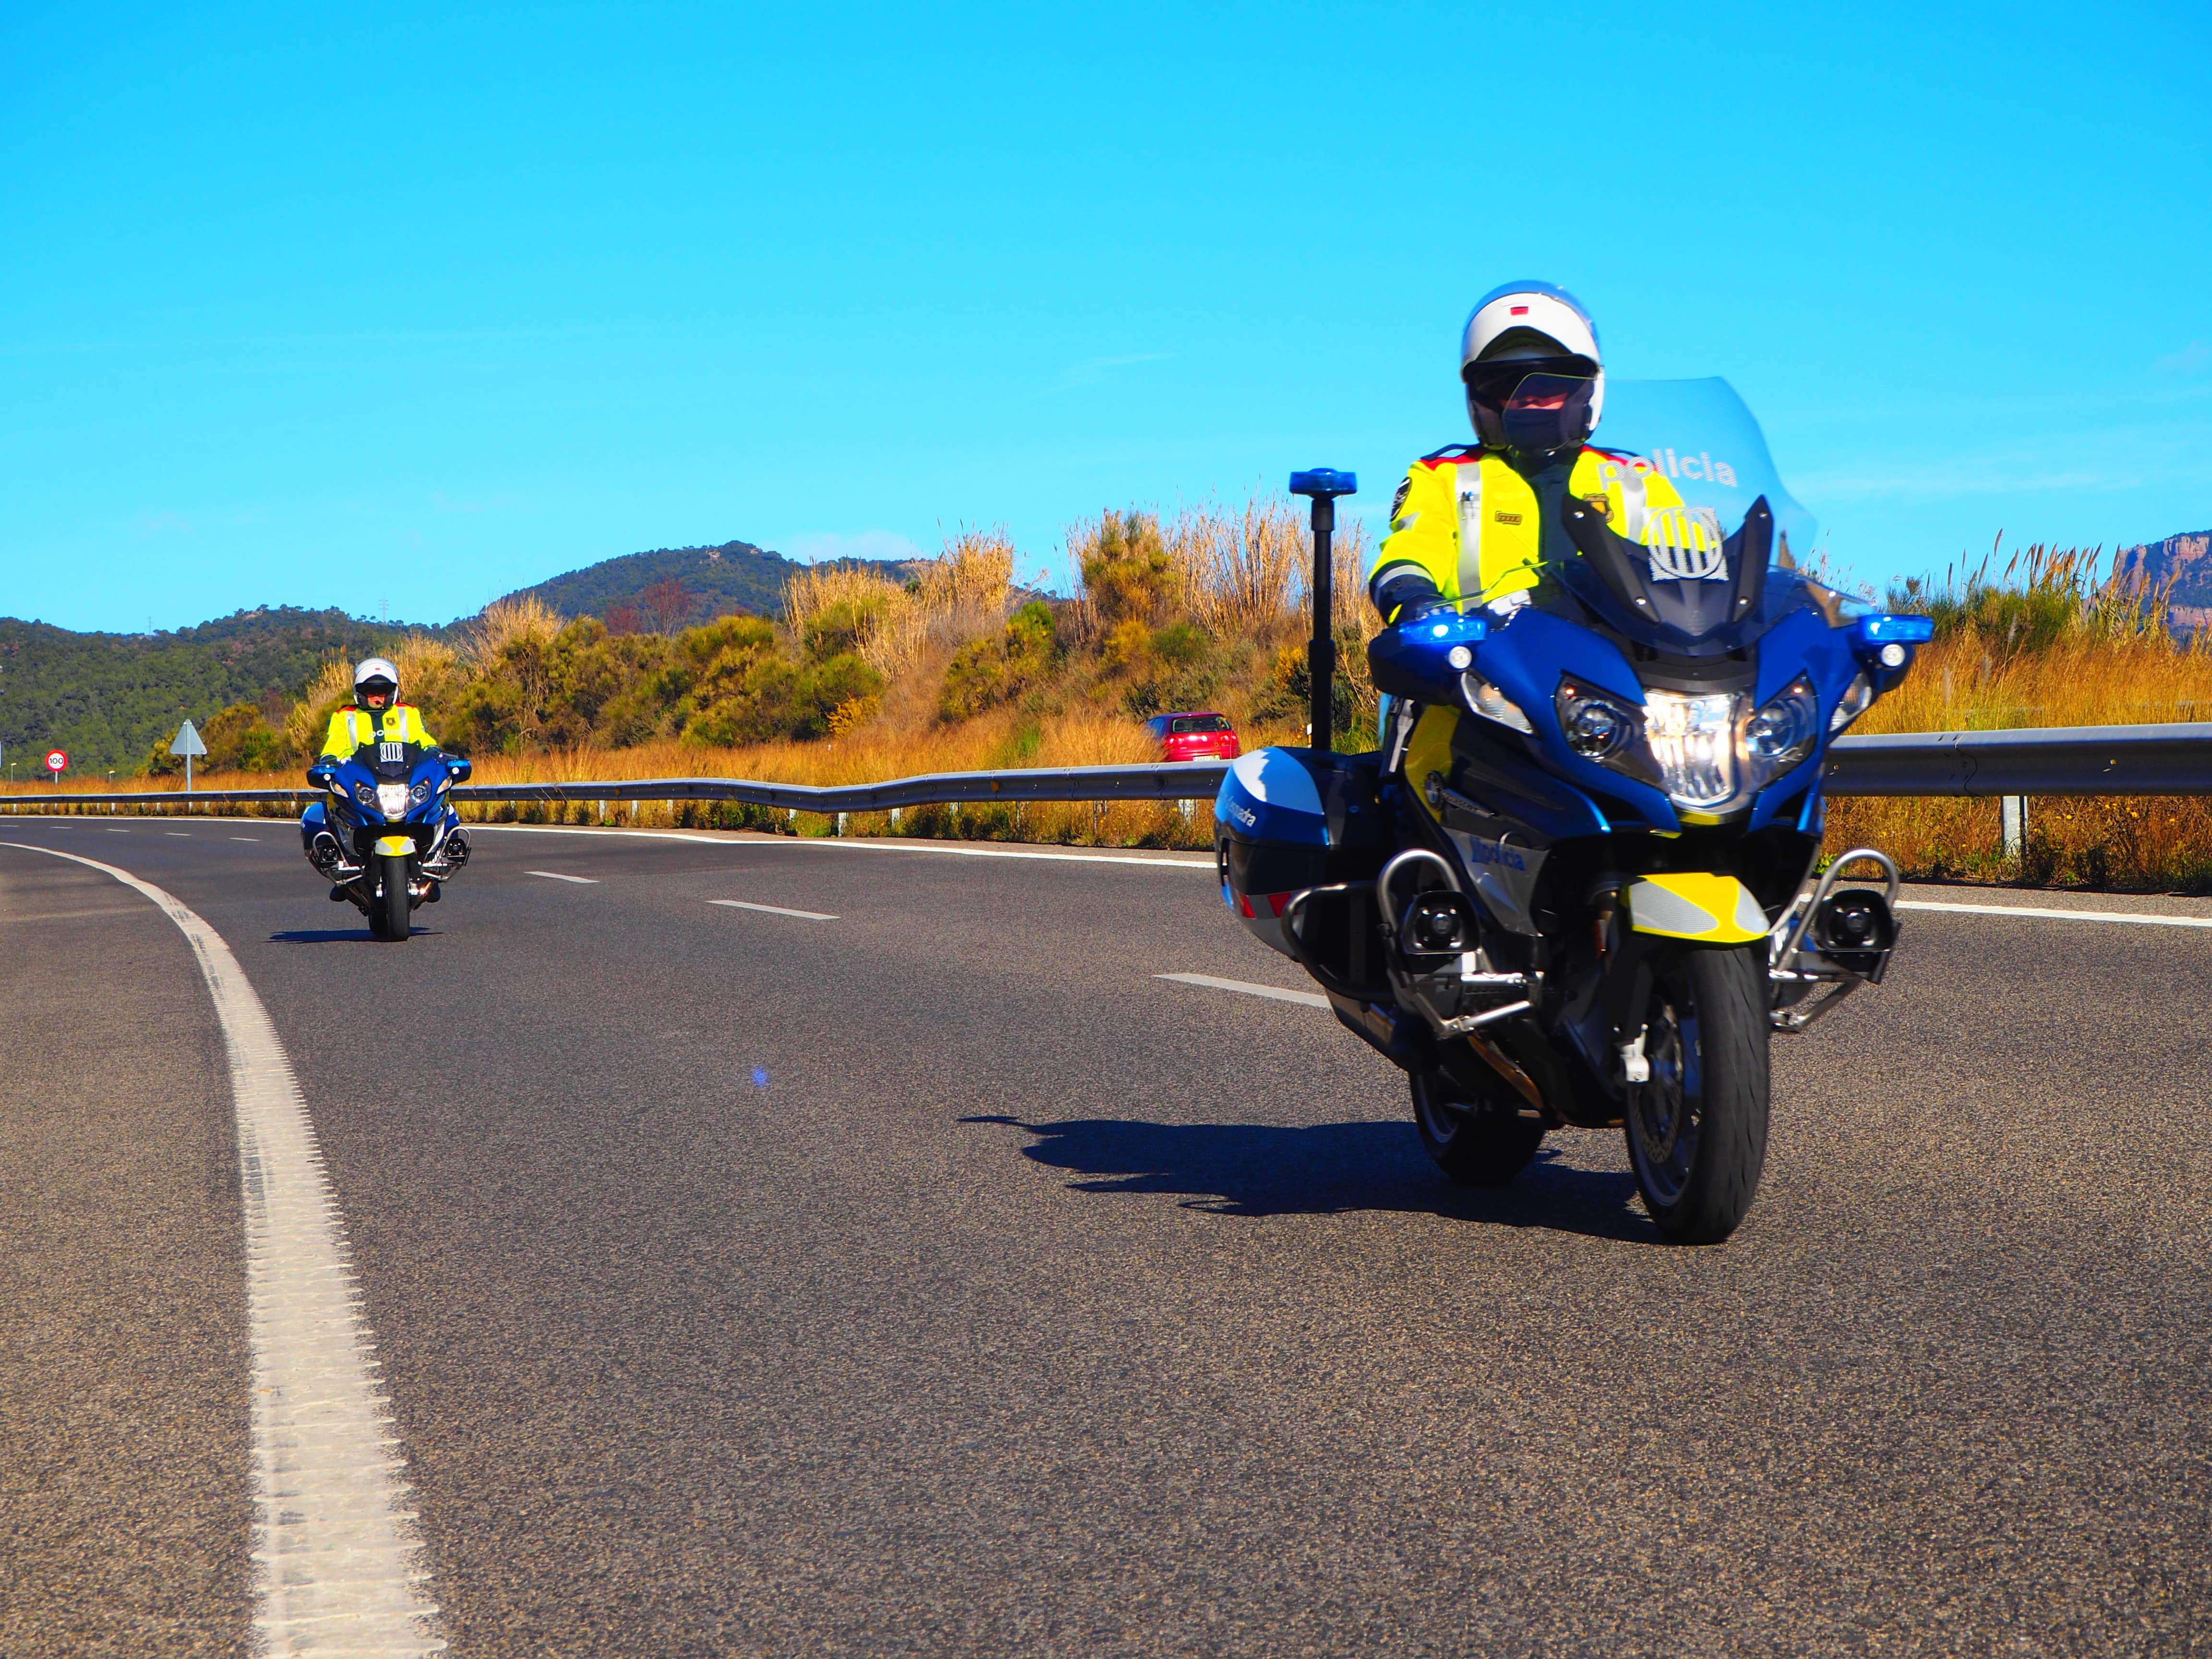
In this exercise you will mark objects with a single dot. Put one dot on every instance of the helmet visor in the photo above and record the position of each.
(1541, 410)
(376, 688)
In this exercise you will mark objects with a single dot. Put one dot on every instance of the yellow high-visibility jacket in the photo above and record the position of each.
(1471, 525)
(350, 727)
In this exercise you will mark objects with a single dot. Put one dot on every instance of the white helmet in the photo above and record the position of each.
(1529, 361)
(371, 670)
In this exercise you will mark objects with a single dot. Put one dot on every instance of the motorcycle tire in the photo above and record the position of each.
(1477, 1143)
(389, 915)
(1697, 1131)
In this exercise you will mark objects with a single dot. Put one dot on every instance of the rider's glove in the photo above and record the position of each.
(1406, 592)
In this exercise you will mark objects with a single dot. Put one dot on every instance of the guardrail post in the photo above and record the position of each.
(842, 817)
(2013, 815)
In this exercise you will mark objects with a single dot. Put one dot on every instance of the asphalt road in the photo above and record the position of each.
(936, 1279)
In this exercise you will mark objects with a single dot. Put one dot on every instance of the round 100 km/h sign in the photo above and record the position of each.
(56, 762)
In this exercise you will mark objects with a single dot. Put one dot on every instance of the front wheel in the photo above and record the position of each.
(388, 916)
(1477, 1142)
(1697, 1131)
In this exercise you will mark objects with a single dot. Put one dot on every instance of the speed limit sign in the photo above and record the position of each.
(56, 762)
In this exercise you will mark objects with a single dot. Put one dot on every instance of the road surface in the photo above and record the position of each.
(777, 1248)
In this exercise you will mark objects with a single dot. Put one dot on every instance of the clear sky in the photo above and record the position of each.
(400, 309)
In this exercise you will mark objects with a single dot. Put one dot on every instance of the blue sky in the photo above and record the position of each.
(398, 309)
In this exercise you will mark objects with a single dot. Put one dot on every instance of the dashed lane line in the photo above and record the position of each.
(250, 841)
(336, 1563)
(1245, 987)
(554, 875)
(773, 909)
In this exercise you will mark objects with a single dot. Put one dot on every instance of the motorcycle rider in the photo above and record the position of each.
(376, 716)
(1474, 523)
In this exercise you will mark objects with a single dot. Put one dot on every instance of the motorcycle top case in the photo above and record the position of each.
(1288, 820)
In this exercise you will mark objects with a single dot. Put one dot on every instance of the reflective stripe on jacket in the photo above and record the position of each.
(1470, 523)
(350, 727)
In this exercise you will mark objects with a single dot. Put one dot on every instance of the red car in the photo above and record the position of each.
(1194, 736)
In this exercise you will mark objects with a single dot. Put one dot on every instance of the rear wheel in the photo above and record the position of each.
(388, 915)
(1697, 1131)
(1478, 1142)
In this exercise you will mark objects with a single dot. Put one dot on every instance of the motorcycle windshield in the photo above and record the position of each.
(1698, 559)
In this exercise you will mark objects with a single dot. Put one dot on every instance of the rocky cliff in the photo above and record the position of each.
(2185, 562)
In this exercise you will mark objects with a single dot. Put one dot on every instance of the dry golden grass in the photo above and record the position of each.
(959, 595)
(1968, 681)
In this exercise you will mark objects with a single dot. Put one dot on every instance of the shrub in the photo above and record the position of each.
(989, 672)
(1127, 573)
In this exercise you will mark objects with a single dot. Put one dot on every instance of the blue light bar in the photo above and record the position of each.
(1324, 480)
(1445, 628)
(1894, 630)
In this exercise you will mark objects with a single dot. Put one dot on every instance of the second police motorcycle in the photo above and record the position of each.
(1578, 885)
(387, 837)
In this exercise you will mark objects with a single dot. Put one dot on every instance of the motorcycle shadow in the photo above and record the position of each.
(1328, 1168)
(338, 935)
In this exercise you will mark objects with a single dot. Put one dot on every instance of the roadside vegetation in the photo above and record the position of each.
(956, 668)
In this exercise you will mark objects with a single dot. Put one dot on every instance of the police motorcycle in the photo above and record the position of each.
(387, 838)
(1579, 884)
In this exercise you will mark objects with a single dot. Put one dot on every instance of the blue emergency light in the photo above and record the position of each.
(1324, 480)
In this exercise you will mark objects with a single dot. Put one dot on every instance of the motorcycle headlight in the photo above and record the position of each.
(1780, 733)
(364, 795)
(1693, 739)
(420, 793)
(1855, 702)
(392, 799)
(1487, 700)
(1596, 727)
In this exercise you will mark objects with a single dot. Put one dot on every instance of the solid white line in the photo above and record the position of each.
(1274, 992)
(336, 1568)
(951, 849)
(554, 875)
(955, 850)
(773, 909)
(2139, 917)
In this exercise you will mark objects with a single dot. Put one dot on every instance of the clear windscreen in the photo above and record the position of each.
(1700, 434)
(1699, 560)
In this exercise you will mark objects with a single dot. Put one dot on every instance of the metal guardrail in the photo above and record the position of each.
(2085, 760)
(2065, 760)
(1167, 781)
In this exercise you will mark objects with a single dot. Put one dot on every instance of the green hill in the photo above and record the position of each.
(675, 587)
(106, 697)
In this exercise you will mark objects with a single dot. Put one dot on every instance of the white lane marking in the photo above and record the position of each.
(554, 875)
(118, 832)
(336, 1568)
(181, 835)
(254, 841)
(2139, 917)
(865, 845)
(773, 909)
(1274, 992)
(854, 845)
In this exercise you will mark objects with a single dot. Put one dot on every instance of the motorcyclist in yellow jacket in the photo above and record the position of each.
(1474, 525)
(376, 716)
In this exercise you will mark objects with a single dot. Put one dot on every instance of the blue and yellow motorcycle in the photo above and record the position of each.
(1579, 884)
(387, 838)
